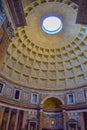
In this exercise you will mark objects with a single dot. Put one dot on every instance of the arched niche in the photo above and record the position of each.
(52, 104)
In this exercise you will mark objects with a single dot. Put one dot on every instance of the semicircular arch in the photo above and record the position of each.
(57, 97)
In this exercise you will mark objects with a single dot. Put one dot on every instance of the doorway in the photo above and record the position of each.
(32, 126)
(72, 124)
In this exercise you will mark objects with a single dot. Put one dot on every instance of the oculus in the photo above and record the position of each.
(52, 25)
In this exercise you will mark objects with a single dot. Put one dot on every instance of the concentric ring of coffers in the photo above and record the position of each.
(49, 62)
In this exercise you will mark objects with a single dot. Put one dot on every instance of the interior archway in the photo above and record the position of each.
(52, 111)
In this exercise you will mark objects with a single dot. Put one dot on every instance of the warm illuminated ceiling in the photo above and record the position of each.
(42, 61)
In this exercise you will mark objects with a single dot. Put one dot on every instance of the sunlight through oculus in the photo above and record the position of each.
(52, 25)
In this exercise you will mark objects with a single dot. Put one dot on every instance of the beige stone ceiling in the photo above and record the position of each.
(34, 20)
(37, 60)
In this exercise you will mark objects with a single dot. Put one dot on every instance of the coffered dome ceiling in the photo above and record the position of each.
(38, 60)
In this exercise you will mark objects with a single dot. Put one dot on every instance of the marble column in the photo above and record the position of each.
(64, 119)
(76, 126)
(82, 121)
(1, 115)
(9, 115)
(68, 127)
(36, 126)
(28, 125)
(16, 121)
(24, 121)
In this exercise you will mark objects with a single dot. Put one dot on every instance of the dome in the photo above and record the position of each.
(43, 65)
(38, 60)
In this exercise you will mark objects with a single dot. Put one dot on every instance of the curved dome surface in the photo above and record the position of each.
(38, 60)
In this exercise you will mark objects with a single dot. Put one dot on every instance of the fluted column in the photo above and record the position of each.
(82, 121)
(28, 125)
(36, 126)
(76, 126)
(1, 116)
(9, 115)
(24, 121)
(68, 127)
(16, 121)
